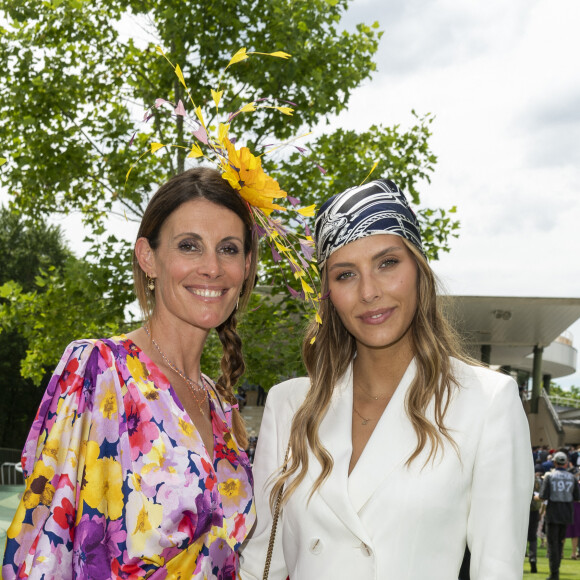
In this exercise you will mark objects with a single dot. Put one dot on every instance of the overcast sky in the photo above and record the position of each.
(503, 80)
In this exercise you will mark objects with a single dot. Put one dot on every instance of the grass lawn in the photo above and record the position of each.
(569, 569)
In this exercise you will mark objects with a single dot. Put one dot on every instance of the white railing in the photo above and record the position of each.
(11, 473)
(565, 401)
(552, 411)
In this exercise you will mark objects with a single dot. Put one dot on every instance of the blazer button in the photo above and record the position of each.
(316, 545)
(366, 550)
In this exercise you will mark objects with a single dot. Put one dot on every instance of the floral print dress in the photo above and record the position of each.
(118, 481)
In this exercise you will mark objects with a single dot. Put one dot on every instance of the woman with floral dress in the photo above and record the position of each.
(135, 464)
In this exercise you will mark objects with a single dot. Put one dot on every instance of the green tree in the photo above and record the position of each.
(73, 87)
(71, 84)
(80, 299)
(271, 332)
(572, 392)
(43, 296)
(24, 251)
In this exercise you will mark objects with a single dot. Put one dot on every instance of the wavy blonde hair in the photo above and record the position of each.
(208, 184)
(327, 359)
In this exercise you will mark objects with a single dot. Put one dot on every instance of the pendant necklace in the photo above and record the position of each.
(364, 419)
(197, 390)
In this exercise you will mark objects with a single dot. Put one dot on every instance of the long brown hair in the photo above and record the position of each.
(203, 183)
(327, 359)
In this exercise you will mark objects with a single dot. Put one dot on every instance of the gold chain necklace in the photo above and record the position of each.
(364, 419)
(198, 391)
(372, 396)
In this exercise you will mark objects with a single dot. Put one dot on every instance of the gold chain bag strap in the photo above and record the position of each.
(274, 523)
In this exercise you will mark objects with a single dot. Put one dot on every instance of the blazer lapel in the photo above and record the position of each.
(389, 446)
(336, 435)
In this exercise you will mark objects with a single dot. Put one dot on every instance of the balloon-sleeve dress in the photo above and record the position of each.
(118, 481)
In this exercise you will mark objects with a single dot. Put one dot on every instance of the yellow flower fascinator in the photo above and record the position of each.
(243, 170)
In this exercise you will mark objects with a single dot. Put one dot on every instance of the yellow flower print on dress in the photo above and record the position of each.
(137, 369)
(173, 523)
(108, 405)
(40, 488)
(102, 484)
(39, 492)
(142, 525)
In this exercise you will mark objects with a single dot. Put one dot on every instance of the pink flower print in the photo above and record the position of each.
(64, 515)
(240, 531)
(142, 431)
(224, 452)
(69, 376)
(28, 537)
(64, 481)
(211, 479)
(187, 524)
(234, 488)
(157, 377)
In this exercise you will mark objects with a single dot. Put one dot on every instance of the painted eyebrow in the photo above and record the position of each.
(377, 256)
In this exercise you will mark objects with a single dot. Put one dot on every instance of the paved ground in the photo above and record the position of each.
(9, 499)
(253, 418)
(10, 494)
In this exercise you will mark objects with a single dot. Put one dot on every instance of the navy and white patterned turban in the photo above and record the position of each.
(377, 207)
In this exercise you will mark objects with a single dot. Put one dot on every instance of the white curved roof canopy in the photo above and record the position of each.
(512, 326)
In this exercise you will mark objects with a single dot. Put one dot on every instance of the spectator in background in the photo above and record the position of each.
(561, 489)
(241, 397)
(573, 530)
(261, 401)
(543, 453)
(548, 465)
(574, 456)
(533, 523)
(542, 525)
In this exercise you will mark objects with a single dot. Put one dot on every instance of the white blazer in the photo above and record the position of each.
(387, 520)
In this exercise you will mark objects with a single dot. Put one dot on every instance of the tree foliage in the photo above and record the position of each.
(24, 251)
(71, 84)
(573, 392)
(79, 299)
(271, 331)
(46, 294)
(74, 87)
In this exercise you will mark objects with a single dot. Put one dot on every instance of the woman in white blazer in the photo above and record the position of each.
(401, 452)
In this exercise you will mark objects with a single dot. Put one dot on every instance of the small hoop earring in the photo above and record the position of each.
(240, 295)
(150, 283)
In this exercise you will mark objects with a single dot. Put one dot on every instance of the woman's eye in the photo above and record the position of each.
(188, 246)
(344, 275)
(389, 262)
(230, 249)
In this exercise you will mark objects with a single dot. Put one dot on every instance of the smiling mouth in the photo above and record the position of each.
(206, 293)
(377, 316)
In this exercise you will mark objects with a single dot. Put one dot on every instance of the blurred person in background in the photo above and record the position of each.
(560, 489)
